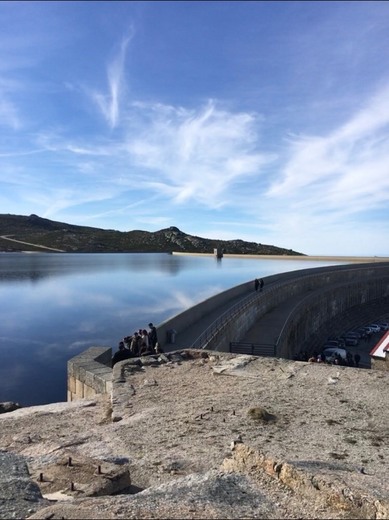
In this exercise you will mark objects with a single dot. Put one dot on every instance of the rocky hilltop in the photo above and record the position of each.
(32, 233)
(202, 435)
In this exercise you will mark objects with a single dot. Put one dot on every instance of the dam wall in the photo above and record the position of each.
(320, 294)
(322, 306)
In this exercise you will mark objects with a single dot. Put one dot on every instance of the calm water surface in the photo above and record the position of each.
(54, 306)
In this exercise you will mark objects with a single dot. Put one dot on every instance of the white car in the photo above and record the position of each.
(375, 327)
(331, 352)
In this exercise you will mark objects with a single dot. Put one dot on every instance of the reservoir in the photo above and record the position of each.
(54, 306)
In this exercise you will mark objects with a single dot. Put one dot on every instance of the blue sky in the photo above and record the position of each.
(264, 121)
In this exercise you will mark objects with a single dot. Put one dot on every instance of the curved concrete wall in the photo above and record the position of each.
(324, 291)
(182, 320)
(323, 305)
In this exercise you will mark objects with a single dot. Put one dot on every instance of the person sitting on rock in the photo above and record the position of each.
(145, 337)
(127, 342)
(145, 349)
(135, 344)
(121, 354)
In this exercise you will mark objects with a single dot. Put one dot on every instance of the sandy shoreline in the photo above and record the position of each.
(351, 259)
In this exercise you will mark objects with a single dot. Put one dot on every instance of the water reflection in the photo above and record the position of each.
(15, 267)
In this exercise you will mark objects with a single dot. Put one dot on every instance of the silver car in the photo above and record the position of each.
(375, 327)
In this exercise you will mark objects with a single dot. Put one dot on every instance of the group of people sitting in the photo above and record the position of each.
(141, 343)
(336, 359)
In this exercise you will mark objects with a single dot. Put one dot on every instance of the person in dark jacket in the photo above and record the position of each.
(121, 354)
(153, 337)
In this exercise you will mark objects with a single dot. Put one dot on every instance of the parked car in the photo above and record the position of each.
(375, 327)
(368, 330)
(350, 341)
(331, 352)
(333, 343)
(352, 334)
(363, 333)
(383, 325)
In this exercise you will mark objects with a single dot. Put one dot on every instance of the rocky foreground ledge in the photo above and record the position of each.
(205, 435)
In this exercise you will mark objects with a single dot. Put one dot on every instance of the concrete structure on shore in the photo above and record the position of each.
(90, 373)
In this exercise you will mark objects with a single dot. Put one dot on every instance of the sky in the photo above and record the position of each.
(261, 121)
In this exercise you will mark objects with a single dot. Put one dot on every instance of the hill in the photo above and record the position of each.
(33, 233)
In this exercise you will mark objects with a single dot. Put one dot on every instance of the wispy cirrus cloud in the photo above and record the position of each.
(9, 115)
(109, 104)
(334, 185)
(196, 154)
(349, 162)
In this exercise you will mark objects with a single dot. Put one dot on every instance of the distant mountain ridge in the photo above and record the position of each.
(34, 233)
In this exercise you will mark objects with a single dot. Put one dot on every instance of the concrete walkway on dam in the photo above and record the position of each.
(266, 330)
(186, 338)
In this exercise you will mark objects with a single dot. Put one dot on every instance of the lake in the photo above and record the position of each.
(54, 306)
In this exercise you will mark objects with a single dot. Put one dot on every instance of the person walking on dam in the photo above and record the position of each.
(261, 284)
(256, 284)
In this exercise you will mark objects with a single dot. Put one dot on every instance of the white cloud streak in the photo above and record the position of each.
(196, 155)
(346, 165)
(109, 104)
(8, 114)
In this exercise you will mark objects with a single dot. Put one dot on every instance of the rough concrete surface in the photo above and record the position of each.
(19, 495)
(217, 436)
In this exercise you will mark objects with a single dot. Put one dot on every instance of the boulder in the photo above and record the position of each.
(8, 406)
